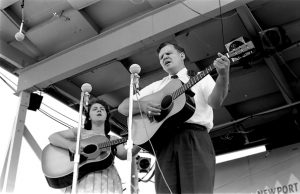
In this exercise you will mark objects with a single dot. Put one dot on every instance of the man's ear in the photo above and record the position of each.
(182, 55)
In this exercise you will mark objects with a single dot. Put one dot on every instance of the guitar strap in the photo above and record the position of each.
(189, 92)
(191, 73)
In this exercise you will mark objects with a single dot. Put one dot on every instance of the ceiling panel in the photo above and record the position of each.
(6, 3)
(105, 79)
(255, 105)
(62, 32)
(8, 33)
(278, 13)
(39, 11)
(207, 38)
(107, 13)
(252, 84)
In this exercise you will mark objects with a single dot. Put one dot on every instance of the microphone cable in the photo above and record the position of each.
(145, 128)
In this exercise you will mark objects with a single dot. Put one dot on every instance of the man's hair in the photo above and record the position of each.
(88, 122)
(176, 46)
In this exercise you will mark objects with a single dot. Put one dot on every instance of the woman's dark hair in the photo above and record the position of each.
(88, 122)
(176, 46)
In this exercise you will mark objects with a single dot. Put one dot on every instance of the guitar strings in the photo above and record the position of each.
(145, 128)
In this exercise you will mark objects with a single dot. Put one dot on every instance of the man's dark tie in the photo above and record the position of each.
(174, 76)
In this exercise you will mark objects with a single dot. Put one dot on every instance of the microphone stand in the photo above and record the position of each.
(77, 151)
(133, 85)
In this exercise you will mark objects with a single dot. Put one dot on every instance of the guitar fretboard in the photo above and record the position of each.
(111, 143)
(248, 46)
(192, 81)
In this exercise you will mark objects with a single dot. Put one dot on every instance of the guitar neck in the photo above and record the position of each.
(192, 81)
(111, 143)
(246, 47)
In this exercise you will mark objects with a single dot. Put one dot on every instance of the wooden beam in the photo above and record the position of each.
(2, 178)
(16, 142)
(32, 142)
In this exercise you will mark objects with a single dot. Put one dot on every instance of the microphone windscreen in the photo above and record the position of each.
(135, 68)
(19, 36)
(86, 87)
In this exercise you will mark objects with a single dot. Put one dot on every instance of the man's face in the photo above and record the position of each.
(171, 59)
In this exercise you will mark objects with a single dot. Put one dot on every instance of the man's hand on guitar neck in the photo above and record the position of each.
(220, 91)
(222, 64)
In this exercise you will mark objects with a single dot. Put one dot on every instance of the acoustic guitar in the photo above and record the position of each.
(175, 107)
(58, 164)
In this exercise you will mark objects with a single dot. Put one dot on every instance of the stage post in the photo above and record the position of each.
(134, 77)
(15, 143)
(86, 89)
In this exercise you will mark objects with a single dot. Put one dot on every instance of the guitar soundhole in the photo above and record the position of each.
(166, 102)
(90, 149)
(166, 106)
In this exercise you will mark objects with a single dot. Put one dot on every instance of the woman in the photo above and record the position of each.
(96, 124)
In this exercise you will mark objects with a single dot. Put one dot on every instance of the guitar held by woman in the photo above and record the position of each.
(97, 173)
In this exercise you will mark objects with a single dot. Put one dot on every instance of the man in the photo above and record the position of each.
(186, 161)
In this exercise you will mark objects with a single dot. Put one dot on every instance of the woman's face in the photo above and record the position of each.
(97, 112)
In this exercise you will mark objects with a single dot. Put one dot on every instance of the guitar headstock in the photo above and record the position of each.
(241, 50)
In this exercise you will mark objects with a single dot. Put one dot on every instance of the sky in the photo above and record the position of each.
(30, 178)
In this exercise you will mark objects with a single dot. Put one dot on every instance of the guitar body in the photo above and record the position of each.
(173, 112)
(58, 164)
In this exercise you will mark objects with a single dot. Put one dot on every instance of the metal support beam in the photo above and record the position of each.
(249, 21)
(15, 144)
(254, 28)
(224, 128)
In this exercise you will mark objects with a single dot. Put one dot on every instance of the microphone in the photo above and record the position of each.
(135, 69)
(19, 35)
(86, 89)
